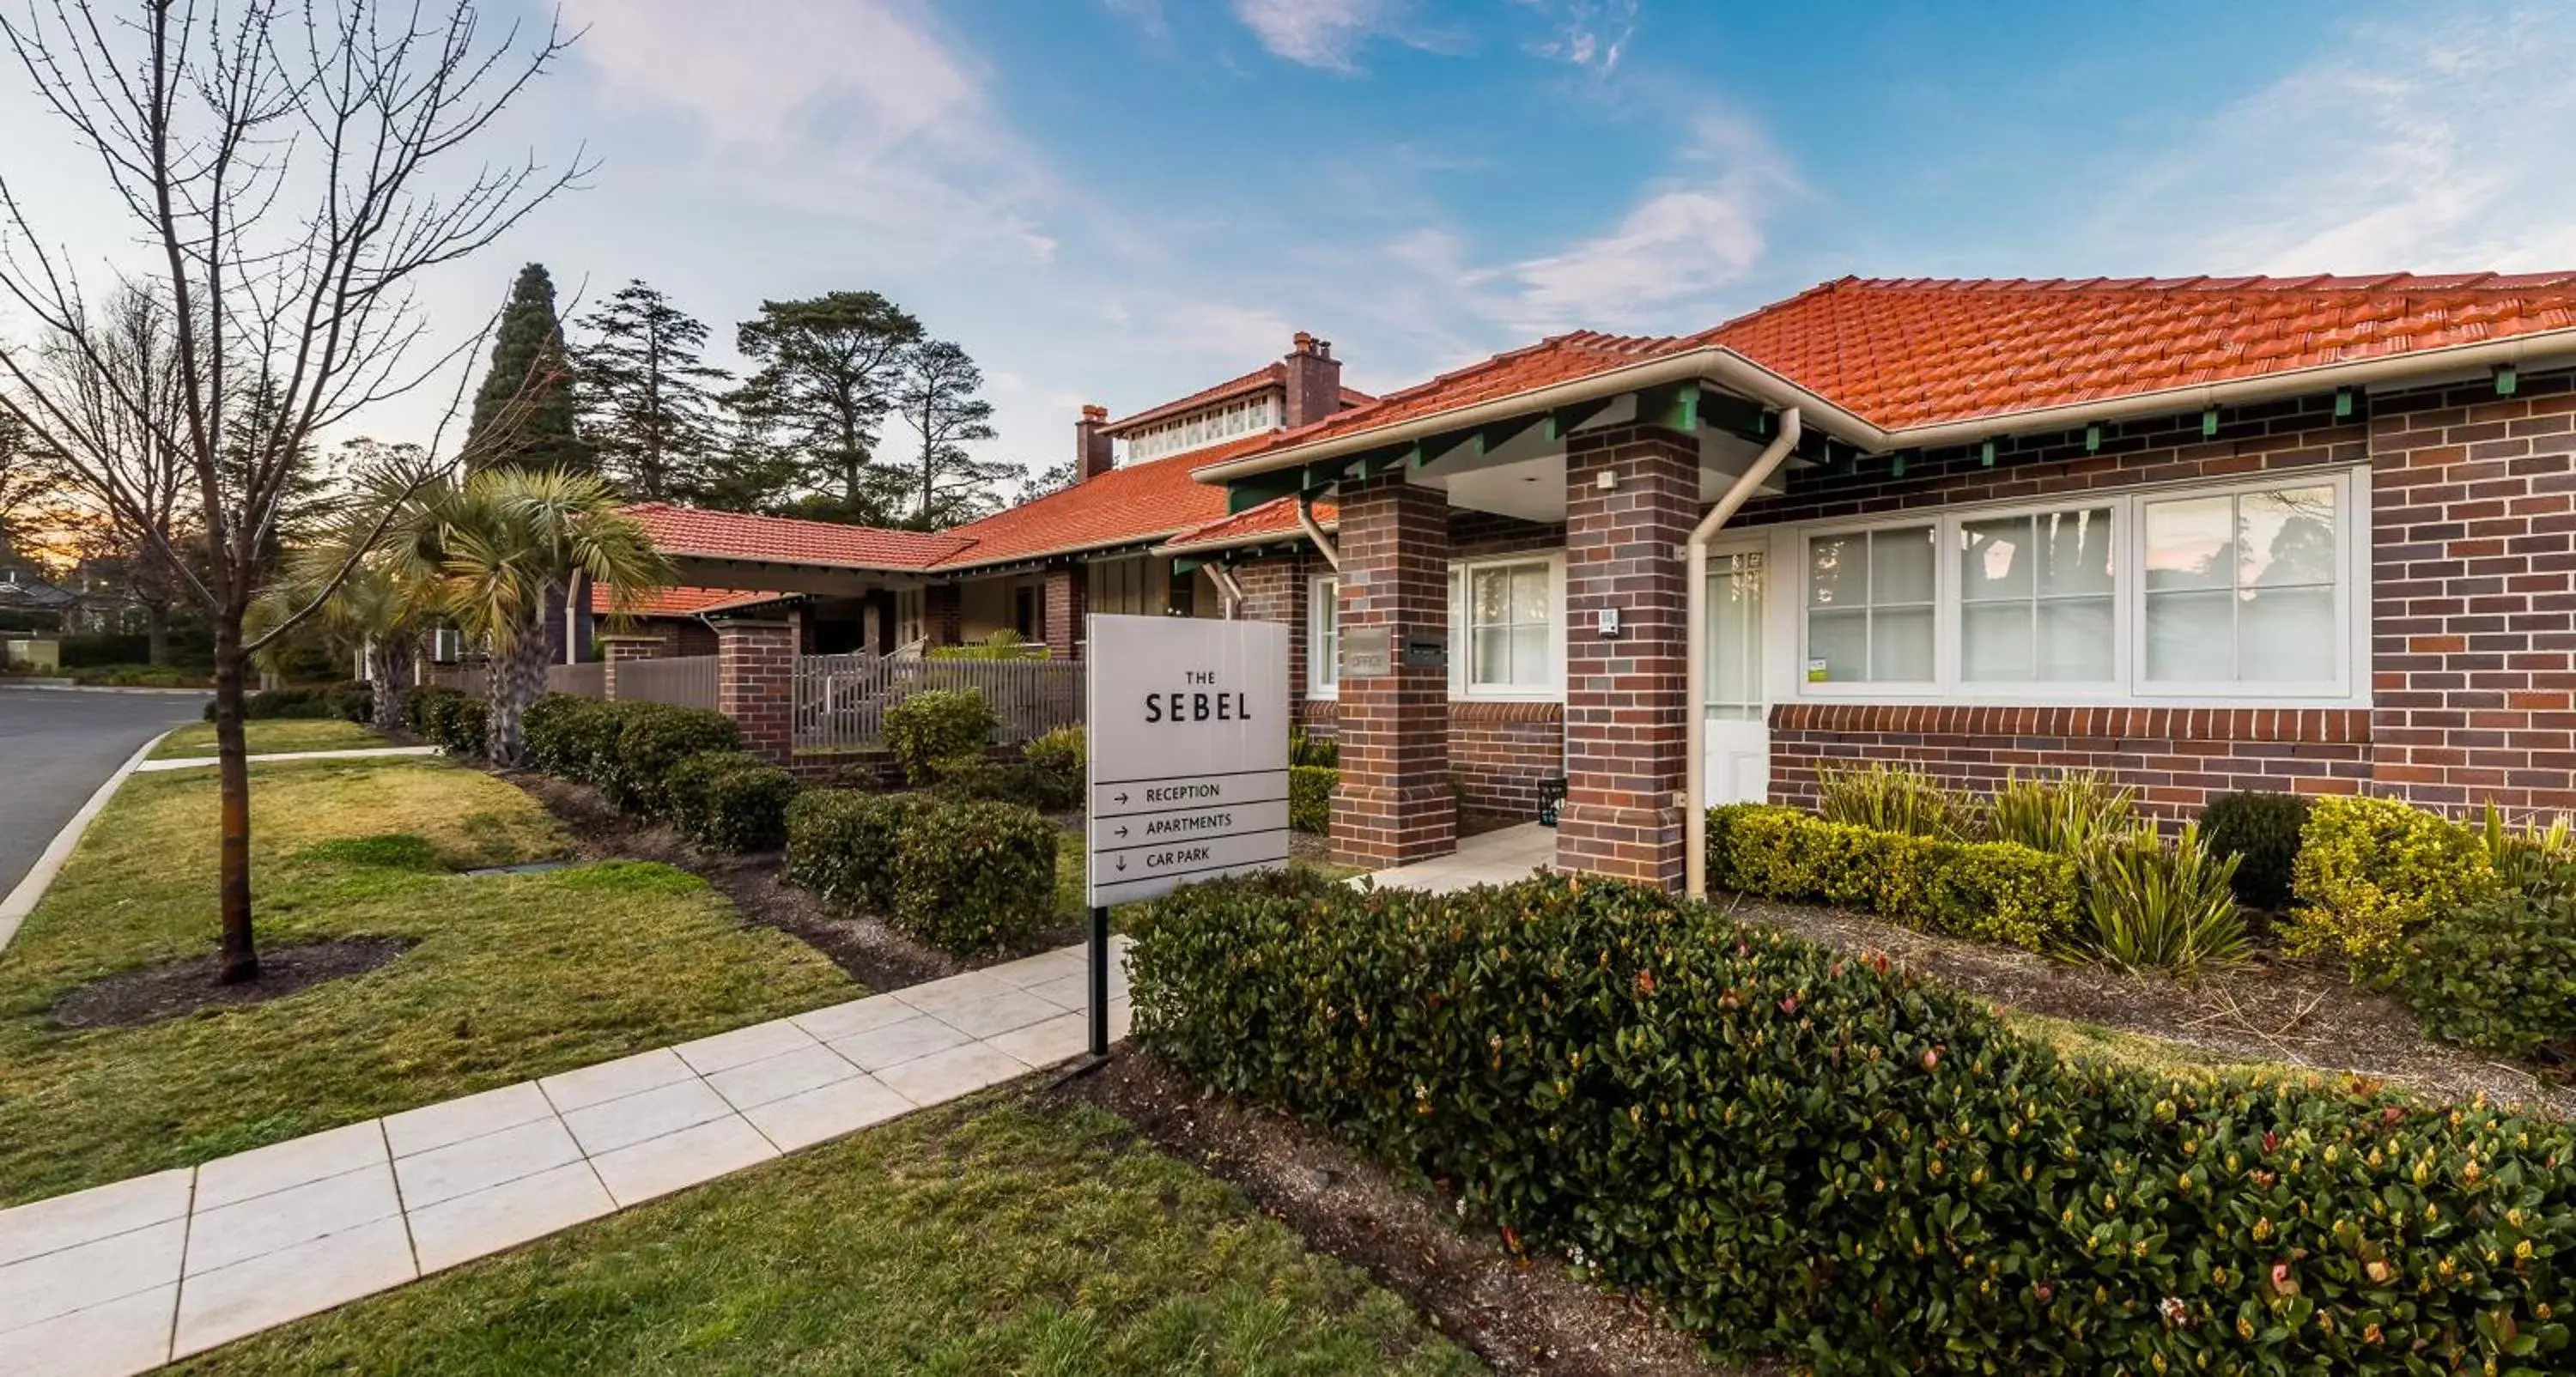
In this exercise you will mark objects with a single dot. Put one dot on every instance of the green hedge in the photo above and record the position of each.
(729, 800)
(1310, 797)
(935, 727)
(448, 718)
(1995, 891)
(2262, 831)
(2371, 870)
(350, 701)
(1797, 1152)
(656, 737)
(968, 878)
(576, 738)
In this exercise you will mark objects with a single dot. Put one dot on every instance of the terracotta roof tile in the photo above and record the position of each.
(1912, 352)
(734, 535)
(672, 602)
(1128, 505)
(1276, 517)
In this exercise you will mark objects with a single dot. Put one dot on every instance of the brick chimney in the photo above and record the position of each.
(1093, 453)
(1314, 380)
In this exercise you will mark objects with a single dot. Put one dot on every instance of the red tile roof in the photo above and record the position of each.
(672, 602)
(1270, 375)
(1902, 353)
(1276, 517)
(1127, 505)
(788, 540)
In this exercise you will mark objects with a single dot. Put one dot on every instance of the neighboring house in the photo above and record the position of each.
(2312, 534)
(27, 601)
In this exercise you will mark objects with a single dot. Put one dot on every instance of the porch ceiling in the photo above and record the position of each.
(1524, 475)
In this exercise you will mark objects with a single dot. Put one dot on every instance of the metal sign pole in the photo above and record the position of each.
(1100, 980)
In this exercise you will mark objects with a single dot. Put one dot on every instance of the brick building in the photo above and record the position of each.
(2314, 534)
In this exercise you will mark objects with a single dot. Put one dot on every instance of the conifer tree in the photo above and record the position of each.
(523, 414)
(646, 410)
(948, 485)
(829, 367)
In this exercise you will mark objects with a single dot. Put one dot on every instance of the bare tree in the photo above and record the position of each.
(285, 164)
(116, 381)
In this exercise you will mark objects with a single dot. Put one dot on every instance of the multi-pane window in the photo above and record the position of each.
(2036, 598)
(2239, 591)
(1870, 602)
(1323, 637)
(2241, 587)
(1511, 627)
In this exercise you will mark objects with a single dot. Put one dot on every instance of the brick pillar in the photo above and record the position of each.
(1394, 804)
(943, 613)
(1274, 590)
(756, 684)
(1625, 748)
(1067, 594)
(623, 648)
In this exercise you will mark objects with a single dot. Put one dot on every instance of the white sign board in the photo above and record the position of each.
(1188, 724)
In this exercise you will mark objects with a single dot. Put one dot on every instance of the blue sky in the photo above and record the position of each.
(1122, 200)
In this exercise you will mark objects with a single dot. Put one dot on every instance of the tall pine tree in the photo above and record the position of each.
(646, 410)
(829, 367)
(523, 414)
(948, 485)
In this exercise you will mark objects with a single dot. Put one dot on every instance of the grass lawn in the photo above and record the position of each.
(271, 735)
(994, 1236)
(510, 978)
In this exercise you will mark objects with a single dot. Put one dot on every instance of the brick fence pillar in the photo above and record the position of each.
(624, 648)
(1068, 595)
(1626, 696)
(943, 613)
(756, 684)
(1394, 804)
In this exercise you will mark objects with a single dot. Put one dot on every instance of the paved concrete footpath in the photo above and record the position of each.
(125, 1277)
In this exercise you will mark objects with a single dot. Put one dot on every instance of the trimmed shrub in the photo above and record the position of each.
(1310, 797)
(1893, 798)
(974, 878)
(1064, 751)
(2499, 975)
(423, 706)
(1323, 751)
(1995, 891)
(2262, 832)
(447, 718)
(977, 780)
(547, 728)
(841, 844)
(2153, 906)
(1801, 1153)
(351, 700)
(935, 727)
(2370, 870)
(655, 737)
(729, 800)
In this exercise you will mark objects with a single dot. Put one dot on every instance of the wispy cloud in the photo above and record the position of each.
(2433, 144)
(1592, 34)
(1317, 33)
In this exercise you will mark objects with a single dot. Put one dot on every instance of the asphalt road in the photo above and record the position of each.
(57, 746)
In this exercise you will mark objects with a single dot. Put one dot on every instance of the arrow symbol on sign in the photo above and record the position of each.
(1121, 800)
(1122, 863)
(1122, 831)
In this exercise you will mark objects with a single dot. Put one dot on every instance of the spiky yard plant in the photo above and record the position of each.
(2153, 906)
(1894, 798)
(2065, 816)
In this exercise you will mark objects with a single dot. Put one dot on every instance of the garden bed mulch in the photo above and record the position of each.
(175, 989)
(864, 948)
(2288, 1011)
(1520, 1315)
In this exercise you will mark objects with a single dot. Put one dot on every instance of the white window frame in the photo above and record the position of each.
(1462, 650)
(1323, 629)
(2129, 686)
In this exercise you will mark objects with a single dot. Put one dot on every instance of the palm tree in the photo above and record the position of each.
(505, 545)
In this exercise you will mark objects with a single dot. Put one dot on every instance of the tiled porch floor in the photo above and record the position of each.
(125, 1277)
(1492, 858)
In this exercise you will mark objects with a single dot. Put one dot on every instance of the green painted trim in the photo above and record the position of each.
(2506, 379)
(1985, 455)
(1673, 407)
(2209, 422)
(1563, 421)
(1188, 564)
(1493, 437)
(2343, 402)
(1244, 494)
(2092, 439)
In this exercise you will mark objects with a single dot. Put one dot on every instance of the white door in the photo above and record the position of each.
(1738, 735)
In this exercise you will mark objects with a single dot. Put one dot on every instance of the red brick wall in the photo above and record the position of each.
(943, 613)
(1067, 591)
(756, 685)
(1498, 753)
(1624, 744)
(1394, 804)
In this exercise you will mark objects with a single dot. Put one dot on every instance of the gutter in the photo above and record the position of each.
(1226, 588)
(1736, 373)
(1695, 624)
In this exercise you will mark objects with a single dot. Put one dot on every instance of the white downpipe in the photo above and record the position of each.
(1226, 588)
(1315, 532)
(1695, 636)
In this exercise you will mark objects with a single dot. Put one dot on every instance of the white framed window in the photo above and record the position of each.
(1324, 637)
(2252, 592)
(1507, 627)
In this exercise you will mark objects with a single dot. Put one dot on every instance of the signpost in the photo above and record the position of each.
(1188, 725)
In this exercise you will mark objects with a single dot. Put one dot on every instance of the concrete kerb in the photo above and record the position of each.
(186, 762)
(40, 876)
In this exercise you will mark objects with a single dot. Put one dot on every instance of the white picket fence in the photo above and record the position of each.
(841, 699)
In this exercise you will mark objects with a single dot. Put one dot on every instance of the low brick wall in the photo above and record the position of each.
(1498, 753)
(2176, 758)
